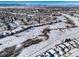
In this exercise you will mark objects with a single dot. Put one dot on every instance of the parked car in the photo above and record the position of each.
(48, 54)
(67, 45)
(62, 45)
(56, 55)
(41, 55)
(60, 52)
(76, 41)
(73, 44)
(51, 51)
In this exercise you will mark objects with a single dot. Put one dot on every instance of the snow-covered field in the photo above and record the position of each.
(56, 35)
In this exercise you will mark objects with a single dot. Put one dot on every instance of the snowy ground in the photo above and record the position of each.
(55, 37)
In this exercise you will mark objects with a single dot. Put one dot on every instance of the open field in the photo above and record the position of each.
(32, 32)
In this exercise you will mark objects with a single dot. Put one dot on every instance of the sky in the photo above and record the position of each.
(39, 0)
(48, 3)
